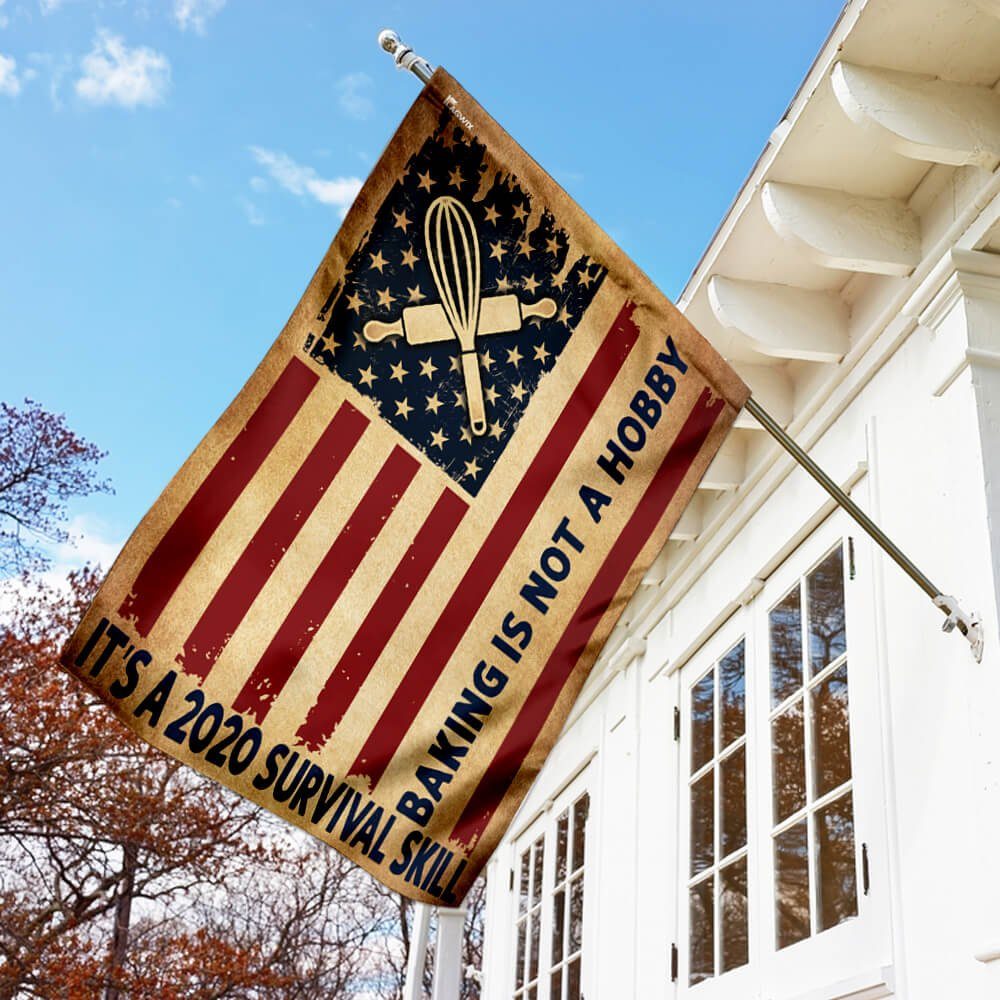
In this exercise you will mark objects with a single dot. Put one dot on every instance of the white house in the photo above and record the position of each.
(782, 779)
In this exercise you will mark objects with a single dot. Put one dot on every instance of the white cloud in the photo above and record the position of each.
(116, 74)
(353, 90)
(10, 82)
(195, 14)
(252, 212)
(258, 184)
(90, 541)
(49, 6)
(57, 70)
(339, 192)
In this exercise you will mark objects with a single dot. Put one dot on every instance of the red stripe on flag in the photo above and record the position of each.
(382, 620)
(496, 549)
(279, 529)
(343, 557)
(203, 513)
(545, 692)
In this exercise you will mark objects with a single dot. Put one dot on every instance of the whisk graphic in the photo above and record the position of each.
(455, 264)
(453, 254)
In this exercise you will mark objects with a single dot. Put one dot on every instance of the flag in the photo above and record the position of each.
(369, 598)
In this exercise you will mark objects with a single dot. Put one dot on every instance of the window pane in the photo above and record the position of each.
(835, 863)
(555, 989)
(791, 877)
(733, 904)
(558, 924)
(573, 981)
(702, 823)
(703, 721)
(532, 994)
(733, 806)
(788, 750)
(521, 938)
(733, 695)
(533, 955)
(581, 809)
(827, 632)
(786, 647)
(522, 904)
(831, 732)
(562, 839)
(536, 880)
(701, 964)
(576, 916)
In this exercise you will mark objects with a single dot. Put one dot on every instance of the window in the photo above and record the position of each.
(776, 810)
(548, 958)
(529, 921)
(567, 901)
(717, 889)
(815, 886)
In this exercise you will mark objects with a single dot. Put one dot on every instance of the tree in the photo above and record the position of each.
(43, 465)
(123, 873)
(472, 942)
(127, 874)
(91, 820)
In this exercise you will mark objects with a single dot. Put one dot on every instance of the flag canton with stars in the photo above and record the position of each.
(419, 388)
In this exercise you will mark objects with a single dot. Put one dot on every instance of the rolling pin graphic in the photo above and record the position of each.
(453, 254)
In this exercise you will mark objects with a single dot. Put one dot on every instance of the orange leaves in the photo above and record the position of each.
(211, 897)
(121, 871)
(199, 966)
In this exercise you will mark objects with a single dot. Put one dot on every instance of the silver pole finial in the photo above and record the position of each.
(388, 40)
(404, 56)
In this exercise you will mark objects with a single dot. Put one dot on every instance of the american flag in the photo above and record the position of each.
(419, 390)
(401, 603)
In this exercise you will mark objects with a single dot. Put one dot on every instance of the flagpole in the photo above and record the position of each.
(968, 624)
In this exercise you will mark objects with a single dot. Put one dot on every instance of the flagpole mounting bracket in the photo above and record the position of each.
(404, 56)
(968, 624)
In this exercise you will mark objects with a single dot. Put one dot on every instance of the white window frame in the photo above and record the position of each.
(737, 984)
(546, 826)
(536, 834)
(862, 943)
(859, 943)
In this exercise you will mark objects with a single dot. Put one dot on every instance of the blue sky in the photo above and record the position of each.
(173, 171)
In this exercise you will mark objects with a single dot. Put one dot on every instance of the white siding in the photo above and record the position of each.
(910, 421)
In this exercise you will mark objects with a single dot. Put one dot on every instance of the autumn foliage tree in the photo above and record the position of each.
(124, 874)
(43, 465)
(128, 874)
